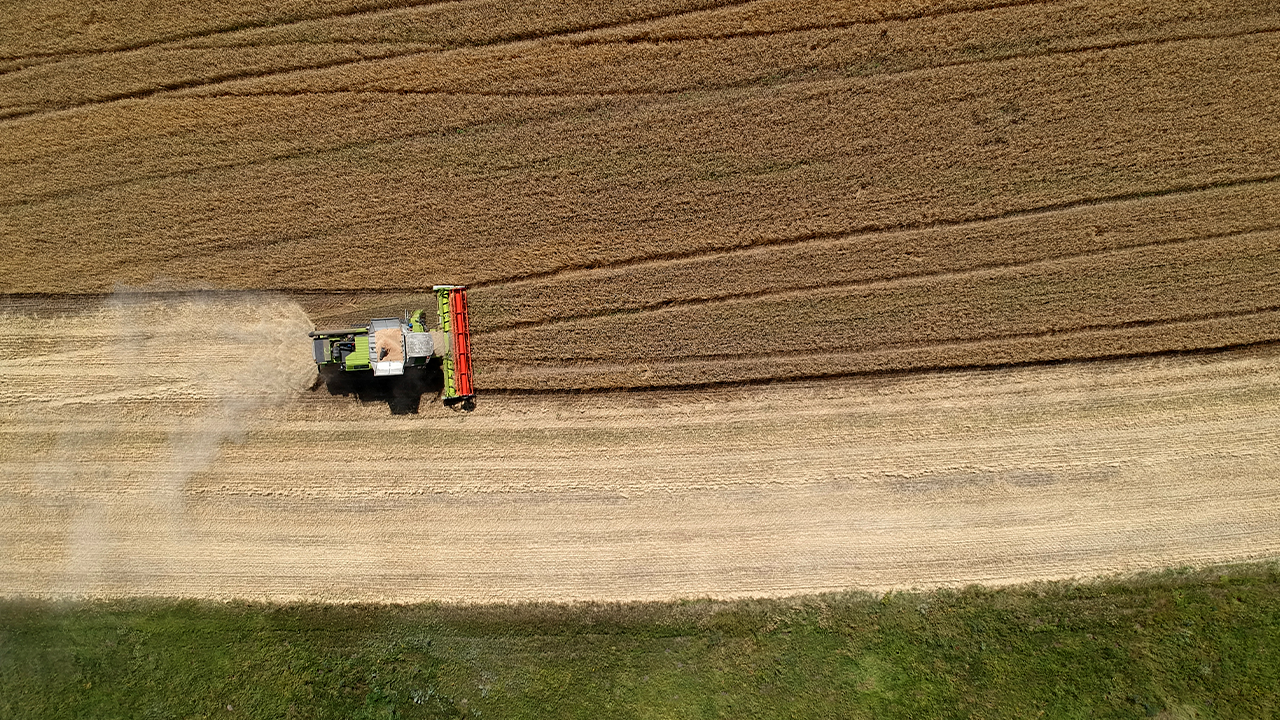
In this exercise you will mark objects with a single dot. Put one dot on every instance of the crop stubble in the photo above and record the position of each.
(213, 473)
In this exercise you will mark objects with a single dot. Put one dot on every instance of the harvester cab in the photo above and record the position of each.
(386, 346)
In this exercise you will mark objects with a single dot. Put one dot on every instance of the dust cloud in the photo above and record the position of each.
(203, 364)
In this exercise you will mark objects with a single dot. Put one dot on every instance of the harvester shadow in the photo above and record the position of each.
(402, 393)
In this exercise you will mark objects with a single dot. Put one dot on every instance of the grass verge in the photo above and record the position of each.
(1178, 644)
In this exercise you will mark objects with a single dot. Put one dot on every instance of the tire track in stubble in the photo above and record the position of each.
(886, 281)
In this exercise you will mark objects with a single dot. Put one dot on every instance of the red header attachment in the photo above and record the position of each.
(460, 329)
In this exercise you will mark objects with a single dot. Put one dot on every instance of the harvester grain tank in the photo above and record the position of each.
(386, 346)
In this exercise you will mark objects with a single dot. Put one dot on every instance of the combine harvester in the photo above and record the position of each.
(387, 346)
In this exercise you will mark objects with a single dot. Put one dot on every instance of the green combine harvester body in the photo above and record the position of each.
(386, 346)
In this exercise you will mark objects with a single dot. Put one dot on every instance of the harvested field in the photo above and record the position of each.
(214, 473)
(895, 207)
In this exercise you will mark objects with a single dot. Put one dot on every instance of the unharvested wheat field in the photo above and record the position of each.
(766, 299)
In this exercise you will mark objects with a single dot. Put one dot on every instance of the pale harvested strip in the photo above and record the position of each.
(879, 257)
(690, 174)
(182, 354)
(995, 476)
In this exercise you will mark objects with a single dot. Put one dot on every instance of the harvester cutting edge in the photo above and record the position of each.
(386, 346)
(451, 307)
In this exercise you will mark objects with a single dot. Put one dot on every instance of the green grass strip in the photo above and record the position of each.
(1179, 644)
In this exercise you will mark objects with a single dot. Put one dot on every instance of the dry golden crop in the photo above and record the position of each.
(720, 183)
(874, 258)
